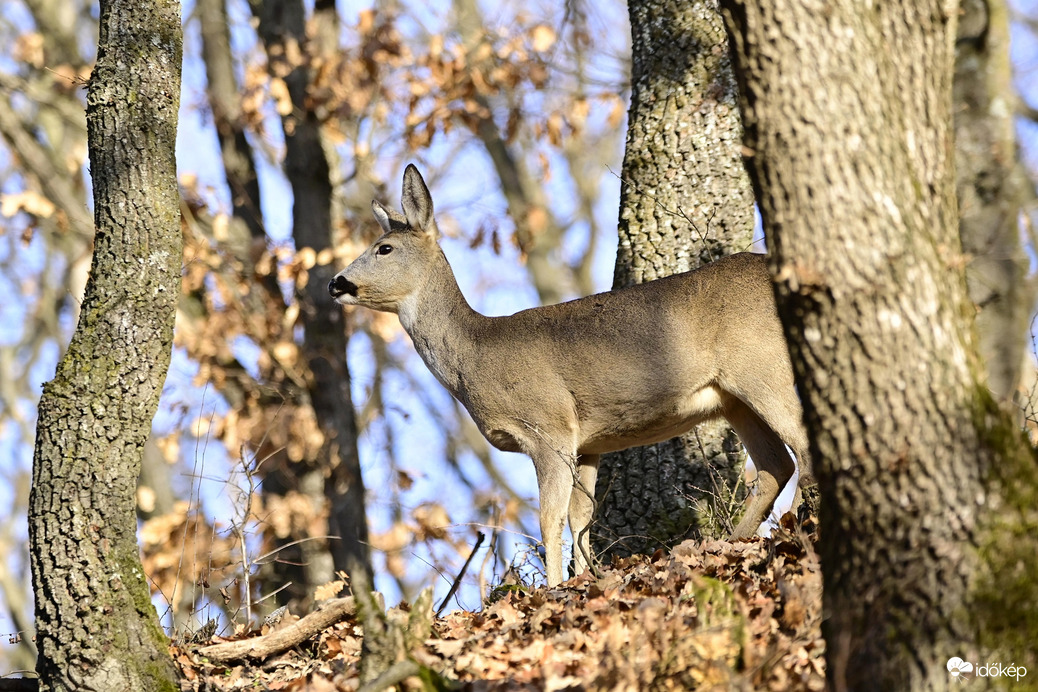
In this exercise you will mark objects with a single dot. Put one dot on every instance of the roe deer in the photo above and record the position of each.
(565, 383)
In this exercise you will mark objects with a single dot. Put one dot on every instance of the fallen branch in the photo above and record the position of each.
(464, 568)
(326, 615)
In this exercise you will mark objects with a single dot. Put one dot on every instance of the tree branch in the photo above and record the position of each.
(256, 648)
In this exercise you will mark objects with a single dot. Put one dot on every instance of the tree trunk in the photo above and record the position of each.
(335, 476)
(848, 127)
(686, 200)
(992, 189)
(240, 173)
(96, 628)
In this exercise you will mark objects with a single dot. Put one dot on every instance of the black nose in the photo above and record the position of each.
(340, 285)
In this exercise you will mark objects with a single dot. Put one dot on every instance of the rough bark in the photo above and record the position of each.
(847, 118)
(96, 628)
(992, 188)
(336, 473)
(685, 200)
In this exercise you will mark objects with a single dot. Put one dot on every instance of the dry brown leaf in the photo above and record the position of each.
(542, 37)
(282, 99)
(447, 648)
(329, 590)
(28, 201)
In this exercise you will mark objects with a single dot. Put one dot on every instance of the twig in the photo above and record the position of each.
(457, 580)
(326, 615)
(491, 553)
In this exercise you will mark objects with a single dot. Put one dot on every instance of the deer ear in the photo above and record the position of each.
(381, 215)
(417, 203)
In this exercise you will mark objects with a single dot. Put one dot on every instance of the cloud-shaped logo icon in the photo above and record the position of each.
(958, 668)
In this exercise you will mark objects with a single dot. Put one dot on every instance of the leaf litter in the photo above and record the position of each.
(710, 615)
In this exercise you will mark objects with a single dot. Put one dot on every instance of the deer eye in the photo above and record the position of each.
(384, 249)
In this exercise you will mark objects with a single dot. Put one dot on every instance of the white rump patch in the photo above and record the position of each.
(705, 402)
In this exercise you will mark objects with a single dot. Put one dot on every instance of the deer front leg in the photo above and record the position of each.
(582, 509)
(555, 485)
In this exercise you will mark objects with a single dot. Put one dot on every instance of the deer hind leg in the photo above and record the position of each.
(784, 415)
(581, 510)
(774, 465)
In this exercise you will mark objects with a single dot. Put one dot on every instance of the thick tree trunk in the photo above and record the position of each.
(335, 475)
(96, 628)
(686, 200)
(848, 124)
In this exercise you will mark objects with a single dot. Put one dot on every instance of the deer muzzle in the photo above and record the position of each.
(341, 286)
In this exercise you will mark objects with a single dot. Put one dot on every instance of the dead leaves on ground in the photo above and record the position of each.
(713, 615)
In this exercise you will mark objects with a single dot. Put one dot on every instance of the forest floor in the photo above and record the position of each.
(709, 615)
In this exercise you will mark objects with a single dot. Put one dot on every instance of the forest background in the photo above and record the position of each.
(524, 163)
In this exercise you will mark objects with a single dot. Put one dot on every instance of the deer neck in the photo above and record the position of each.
(441, 323)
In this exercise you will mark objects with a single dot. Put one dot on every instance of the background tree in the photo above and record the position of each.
(685, 201)
(928, 514)
(331, 477)
(512, 110)
(96, 628)
(994, 193)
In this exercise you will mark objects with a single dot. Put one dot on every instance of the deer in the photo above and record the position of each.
(566, 383)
